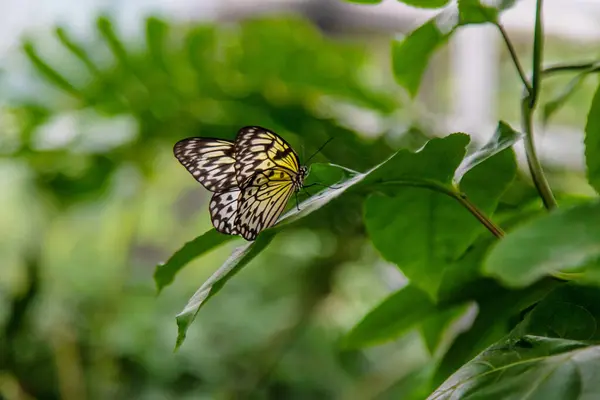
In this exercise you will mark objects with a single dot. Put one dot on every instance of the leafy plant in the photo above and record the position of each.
(487, 291)
(428, 211)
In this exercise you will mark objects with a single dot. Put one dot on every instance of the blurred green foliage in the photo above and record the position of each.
(92, 176)
(93, 200)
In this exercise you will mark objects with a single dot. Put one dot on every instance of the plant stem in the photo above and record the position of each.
(538, 50)
(589, 67)
(456, 195)
(529, 102)
(527, 109)
(535, 167)
(484, 219)
(515, 58)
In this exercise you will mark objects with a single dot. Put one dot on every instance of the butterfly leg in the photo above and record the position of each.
(297, 204)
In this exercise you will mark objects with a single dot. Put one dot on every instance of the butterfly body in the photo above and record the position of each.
(252, 177)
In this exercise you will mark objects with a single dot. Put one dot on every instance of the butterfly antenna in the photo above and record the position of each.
(317, 152)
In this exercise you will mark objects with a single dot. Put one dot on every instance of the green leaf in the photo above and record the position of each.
(568, 312)
(397, 314)
(496, 307)
(504, 137)
(547, 356)
(49, 73)
(77, 50)
(365, 1)
(461, 279)
(156, 39)
(238, 259)
(438, 332)
(165, 273)
(436, 161)
(106, 30)
(411, 55)
(540, 367)
(592, 142)
(426, 3)
(563, 240)
(432, 245)
(473, 12)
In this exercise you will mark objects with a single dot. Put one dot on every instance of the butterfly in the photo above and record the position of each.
(252, 177)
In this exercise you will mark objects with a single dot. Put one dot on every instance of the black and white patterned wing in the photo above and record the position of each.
(258, 149)
(223, 211)
(210, 161)
(262, 200)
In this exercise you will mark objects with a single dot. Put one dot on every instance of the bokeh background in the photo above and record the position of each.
(93, 95)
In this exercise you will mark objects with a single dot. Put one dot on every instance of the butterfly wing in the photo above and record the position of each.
(210, 161)
(262, 200)
(258, 149)
(223, 210)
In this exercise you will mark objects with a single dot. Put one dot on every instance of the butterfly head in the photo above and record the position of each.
(302, 174)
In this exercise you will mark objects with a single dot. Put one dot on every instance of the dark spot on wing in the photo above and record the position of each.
(282, 154)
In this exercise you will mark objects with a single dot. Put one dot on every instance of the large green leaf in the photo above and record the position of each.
(397, 314)
(561, 241)
(592, 142)
(497, 307)
(552, 354)
(535, 367)
(423, 231)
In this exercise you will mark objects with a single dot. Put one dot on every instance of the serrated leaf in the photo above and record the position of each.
(165, 272)
(238, 259)
(592, 142)
(397, 314)
(561, 241)
(440, 228)
(504, 137)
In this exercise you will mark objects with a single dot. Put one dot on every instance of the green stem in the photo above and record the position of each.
(527, 109)
(587, 67)
(535, 167)
(515, 58)
(456, 195)
(538, 51)
(529, 102)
